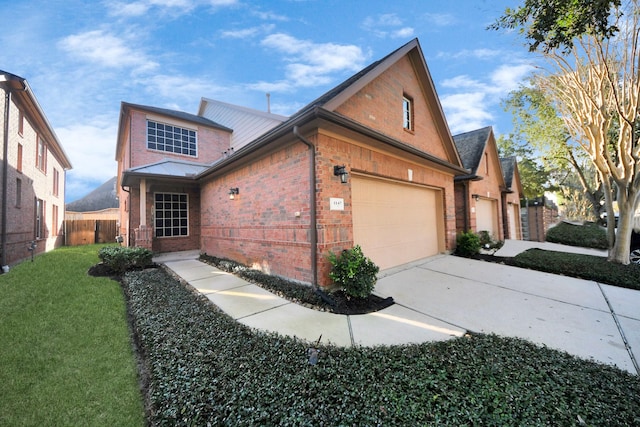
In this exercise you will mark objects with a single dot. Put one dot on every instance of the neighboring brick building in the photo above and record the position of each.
(267, 190)
(33, 174)
(487, 199)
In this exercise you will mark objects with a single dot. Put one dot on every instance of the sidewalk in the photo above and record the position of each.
(443, 297)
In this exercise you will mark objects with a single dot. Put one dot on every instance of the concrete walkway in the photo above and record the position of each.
(443, 297)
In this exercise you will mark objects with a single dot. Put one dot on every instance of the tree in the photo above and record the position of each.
(538, 125)
(594, 83)
(555, 24)
(534, 176)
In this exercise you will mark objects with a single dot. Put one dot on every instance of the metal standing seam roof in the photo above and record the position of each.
(169, 168)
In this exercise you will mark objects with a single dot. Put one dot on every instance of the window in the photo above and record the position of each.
(486, 164)
(19, 165)
(407, 113)
(171, 214)
(20, 123)
(172, 139)
(18, 192)
(54, 220)
(41, 155)
(56, 182)
(39, 219)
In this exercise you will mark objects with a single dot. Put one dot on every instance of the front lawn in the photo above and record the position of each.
(65, 350)
(204, 367)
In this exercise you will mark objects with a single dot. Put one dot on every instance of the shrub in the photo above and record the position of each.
(468, 244)
(353, 272)
(588, 235)
(588, 267)
(121, 259)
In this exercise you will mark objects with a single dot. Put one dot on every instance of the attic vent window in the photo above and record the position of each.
(172, 139)
(407, 113)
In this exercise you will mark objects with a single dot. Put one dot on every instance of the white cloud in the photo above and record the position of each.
(466, 111)
(462, 82)
(106, 50)
(191, 89)
(441, 19)
(386, 25)
(481, 53)
(312, 64)
(247, 32)
(508, 77)
(141, 7)
(91, 149)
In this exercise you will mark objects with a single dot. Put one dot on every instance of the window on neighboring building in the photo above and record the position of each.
(41, 155)
(173, 139)
(18, 192)
(40, 219)
(19, 165)
(407, 112)
(20, 123)
(171, 214)
(54, 220)
(56, 182)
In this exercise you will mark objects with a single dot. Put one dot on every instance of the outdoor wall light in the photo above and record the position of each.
(341, 171)
(233, 192)
(475, 197)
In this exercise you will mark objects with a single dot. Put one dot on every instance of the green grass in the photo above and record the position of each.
(65, 350)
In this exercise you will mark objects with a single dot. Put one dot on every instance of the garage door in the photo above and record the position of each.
(487, 216)
(514, 221)
(396, 223)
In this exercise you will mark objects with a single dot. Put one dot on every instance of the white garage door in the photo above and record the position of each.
(514, 221)
(487, 216)
(396, 223)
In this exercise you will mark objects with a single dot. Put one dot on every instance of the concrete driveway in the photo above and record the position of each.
(583, 318)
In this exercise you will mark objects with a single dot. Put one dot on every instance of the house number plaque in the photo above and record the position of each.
(336, 204)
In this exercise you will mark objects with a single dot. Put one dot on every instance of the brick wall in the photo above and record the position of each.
(266, 226)
(35, 184)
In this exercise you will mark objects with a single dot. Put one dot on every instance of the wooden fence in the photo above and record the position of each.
(88, 231)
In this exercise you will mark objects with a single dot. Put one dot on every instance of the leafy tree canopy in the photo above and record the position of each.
(554, 24)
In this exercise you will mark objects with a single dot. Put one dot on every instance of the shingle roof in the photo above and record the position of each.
(179, 115)
(471, 145)
(508, 168)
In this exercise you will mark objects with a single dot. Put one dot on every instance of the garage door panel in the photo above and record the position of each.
(395, 223)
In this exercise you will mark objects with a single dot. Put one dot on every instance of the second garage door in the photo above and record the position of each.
(396, 223)
(487, 217)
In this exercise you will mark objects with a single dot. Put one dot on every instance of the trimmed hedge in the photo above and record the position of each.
(205, 368)
(588, 235)
(587, 267)
(121, 259)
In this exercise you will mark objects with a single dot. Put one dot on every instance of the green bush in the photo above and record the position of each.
(121, 259)
(588, 235)
(353, 272)
(587, 267)
(468, 244)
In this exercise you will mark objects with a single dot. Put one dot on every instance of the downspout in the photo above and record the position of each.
(5, 167)
(312, 197)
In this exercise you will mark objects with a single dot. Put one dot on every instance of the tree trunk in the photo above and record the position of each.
(620, 251)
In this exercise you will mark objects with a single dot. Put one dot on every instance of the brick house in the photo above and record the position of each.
(33, 174)
(371, 162)
(487, 199)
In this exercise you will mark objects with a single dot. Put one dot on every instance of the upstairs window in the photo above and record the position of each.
(172, 139)
(56, 182)
(407, 113)
(19, 165)
(20, 123)
(41, 155)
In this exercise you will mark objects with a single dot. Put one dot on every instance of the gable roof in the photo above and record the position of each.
(323, 108)
(471, 145)
(247, 123)
(27, 99)
(511, 174)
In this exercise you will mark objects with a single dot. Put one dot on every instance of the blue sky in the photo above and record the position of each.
(83, 57)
